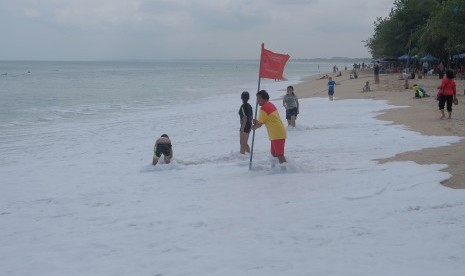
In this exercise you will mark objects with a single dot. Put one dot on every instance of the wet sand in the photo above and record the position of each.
(421, 115)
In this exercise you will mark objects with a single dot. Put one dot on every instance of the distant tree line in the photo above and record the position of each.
(420, 27)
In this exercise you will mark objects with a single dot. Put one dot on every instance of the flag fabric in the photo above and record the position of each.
(272, 64)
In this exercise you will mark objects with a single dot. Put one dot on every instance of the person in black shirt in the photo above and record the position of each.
(246, 116)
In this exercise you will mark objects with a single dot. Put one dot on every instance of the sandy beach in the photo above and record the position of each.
(420, 115)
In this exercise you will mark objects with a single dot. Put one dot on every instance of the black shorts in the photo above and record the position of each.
(247, 128)
(446, 99)
(291, 112)
(164, 149)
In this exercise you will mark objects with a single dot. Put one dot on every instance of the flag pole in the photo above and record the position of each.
(256, 107)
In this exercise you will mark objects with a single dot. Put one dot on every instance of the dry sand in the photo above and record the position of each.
(421, 115)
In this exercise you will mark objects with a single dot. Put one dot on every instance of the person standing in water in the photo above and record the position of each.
(269, 117)
(331, 84)
(245, 116)
(291, 103)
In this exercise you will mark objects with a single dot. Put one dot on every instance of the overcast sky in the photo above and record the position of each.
(166, 29)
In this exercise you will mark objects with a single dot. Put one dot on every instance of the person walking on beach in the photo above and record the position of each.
(291, 104)
(162, 146)
(376, 71)
(269, 117)
(245, 116)
(331, 85)
(449, 94)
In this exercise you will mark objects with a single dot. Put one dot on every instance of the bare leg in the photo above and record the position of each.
(293, 121)
(154, 162)
(443, 116)
(243, 139)
(281, 159)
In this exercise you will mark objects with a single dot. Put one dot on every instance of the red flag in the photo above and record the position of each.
(272, 64)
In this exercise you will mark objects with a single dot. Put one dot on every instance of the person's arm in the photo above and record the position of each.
(256, 124)
(171, 155)
(154, 160)
(243, 120)
(243, 123)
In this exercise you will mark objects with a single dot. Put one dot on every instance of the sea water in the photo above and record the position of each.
(40, 100)
(41, 92)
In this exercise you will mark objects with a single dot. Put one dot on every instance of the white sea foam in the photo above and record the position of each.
(82, 198)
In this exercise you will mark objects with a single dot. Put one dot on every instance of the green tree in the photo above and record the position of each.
(444, 33)
(394, 35)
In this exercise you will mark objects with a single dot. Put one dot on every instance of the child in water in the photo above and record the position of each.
(331, 85)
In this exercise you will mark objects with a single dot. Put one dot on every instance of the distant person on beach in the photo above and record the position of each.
(353, 75)
(162, 146)
(406, 85)
(425, 69)
(366, 88)
(331, 85)
(269, 117)
(291, 103)
(449, 94)
(441, 69)
(245, 116)
(376, 71)
(324, 77)
(404, 76)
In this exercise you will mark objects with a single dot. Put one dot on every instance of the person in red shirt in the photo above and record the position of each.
(449, 94)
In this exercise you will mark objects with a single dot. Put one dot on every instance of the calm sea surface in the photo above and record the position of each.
(42, 92)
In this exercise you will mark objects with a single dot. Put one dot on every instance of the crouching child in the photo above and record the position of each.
(162, 146)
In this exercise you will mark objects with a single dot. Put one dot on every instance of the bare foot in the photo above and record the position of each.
(442, 117)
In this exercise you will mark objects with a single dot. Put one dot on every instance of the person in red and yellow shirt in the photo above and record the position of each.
(269, 117)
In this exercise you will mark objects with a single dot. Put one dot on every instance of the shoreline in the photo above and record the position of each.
(419, 115)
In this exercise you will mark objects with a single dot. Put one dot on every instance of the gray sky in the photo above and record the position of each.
(159, 29)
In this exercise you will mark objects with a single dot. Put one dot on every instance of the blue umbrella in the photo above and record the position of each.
(428, 58)
(404, 57)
